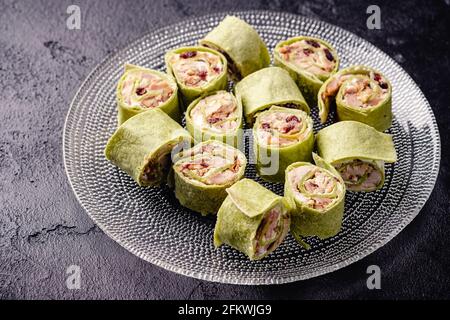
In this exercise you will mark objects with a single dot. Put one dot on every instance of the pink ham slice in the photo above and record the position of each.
(270, 224)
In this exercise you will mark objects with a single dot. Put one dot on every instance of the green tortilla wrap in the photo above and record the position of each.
(204, 172)
(316, 194)
(142, 146)
(281, 136)
(268, 87)
(240, 44)
(358, 153)
(216, 116)
(360, 94)
(140, 89)
(252, 219)
(197, 70)
(309, 61)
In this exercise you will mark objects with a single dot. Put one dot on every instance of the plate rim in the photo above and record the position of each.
(220, 278)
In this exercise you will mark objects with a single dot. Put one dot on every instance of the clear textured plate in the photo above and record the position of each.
(152, 225)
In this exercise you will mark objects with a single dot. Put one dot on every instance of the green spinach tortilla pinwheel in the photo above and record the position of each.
(240, 44)
(197, 70)
(252, 219)
(265, 88)
(316, 194)
(361, 94)
(309, 61)
(141, 89)
(281, 136)
(358, 152)
(203, 172)
(216, 116)
(142, 146)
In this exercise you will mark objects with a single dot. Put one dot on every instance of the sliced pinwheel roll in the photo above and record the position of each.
(252, 219)
(358, 152)
(360, 94)
(203, 172)
(216, 116)
(316, 194)
(268, 87)
(197, 70)
(309, 61)
(281, 136)
(142, 146)
(240, 44)
(141, 89)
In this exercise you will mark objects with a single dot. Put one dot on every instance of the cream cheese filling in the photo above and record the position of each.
(196, 68)
(281, 129)
(216, 113)
(310, 56)
(144, 89)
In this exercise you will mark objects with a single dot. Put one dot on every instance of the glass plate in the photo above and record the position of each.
(151, 224)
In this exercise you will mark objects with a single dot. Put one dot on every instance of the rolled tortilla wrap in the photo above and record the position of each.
(358, 153)
(281, 136)
(204, 172)
(360, 94)
(142, 146)
(316, 194)
(252, 219)
(140, 89)
(240, 44)
(268, 87)
(197, 70)
(309, 61)
(216, 116)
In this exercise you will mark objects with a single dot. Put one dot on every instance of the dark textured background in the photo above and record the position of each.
(43, 229)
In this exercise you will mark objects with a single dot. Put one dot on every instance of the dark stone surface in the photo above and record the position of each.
(43, 229)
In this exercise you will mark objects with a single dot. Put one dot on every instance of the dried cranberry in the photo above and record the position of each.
(203, 74)
(307, 52)
(265, 126)
(383, 85)
(204, 164)
(213, 120)
(328, 54)
(377, 77)
(292, 118)
(313, 43)
(217, 69)
(141, 91)
(187, 166)
(188, 54)
(288, 128)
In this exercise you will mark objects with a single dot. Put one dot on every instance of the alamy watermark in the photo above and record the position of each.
(374, 280)
(73, 281)
(73, 21)
(374, 20)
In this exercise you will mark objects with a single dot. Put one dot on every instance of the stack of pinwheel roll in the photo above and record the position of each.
(204, 163)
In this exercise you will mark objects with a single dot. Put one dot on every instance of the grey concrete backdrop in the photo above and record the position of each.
(43, 229)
